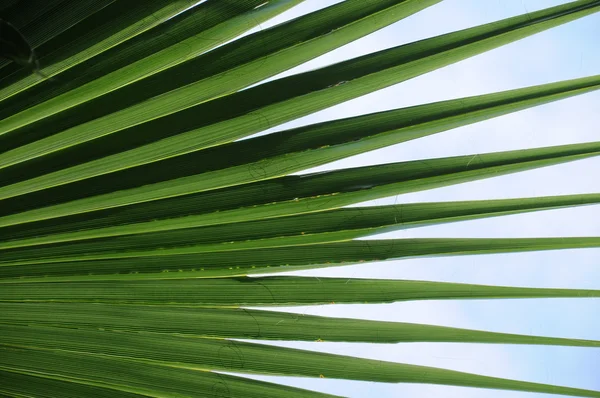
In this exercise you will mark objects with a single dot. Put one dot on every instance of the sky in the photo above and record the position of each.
(566, 52)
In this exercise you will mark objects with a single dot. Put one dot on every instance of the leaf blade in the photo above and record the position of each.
(296, 194)
(285, 152)
(364, 74)
(233, 356)
(324, 227)
(254, 324)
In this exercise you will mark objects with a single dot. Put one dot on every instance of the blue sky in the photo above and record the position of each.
(565, 52)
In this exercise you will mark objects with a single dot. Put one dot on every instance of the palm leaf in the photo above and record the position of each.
(139, 211)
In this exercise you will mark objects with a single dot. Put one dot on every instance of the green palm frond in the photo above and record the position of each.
(140, 207)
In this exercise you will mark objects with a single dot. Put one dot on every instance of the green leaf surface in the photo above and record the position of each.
(21, 16)
(251, 111)
(130, 378)
(14, 46)
(252, 324)
(14, 384)
(39, 21)
(177, 40)
(110, 26)
(292, 195)
(235, 356)
(268, 291)
(217, 73)
(281, 259)
(284, 152)
(137, 225)
(322, 227)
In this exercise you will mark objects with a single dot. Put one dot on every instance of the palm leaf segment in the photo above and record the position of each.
(131, 217)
